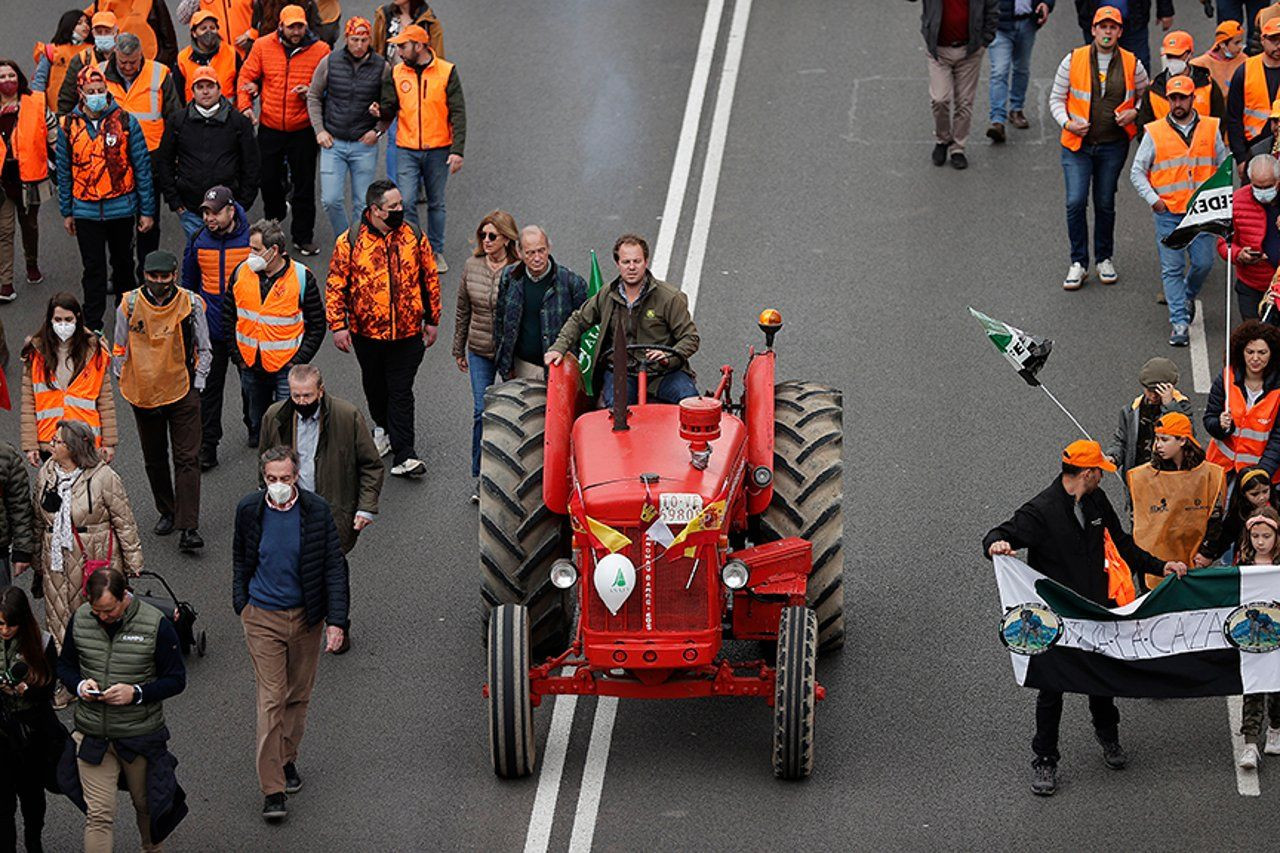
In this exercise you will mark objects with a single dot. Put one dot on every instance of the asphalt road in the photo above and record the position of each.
(828, 209)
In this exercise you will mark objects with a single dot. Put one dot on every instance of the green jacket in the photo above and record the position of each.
(127, 658)
(349, 471)
(17, 522)
(660, 316)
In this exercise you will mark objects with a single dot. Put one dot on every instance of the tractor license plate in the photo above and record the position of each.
(679, 507)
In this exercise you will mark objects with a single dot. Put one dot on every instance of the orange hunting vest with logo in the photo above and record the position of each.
(1080, 91)
(77, 402)
(1171, 510)
(269, 331)
(31, 139)
(131, 17)
(223, 64)
(155, 373)
(100, 165)
(1257, 100)
(143, 100)
(1252, 428)
(424, 109)
(59, 56)
(1177, 168)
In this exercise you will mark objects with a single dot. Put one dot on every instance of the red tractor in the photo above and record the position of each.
(621, 548)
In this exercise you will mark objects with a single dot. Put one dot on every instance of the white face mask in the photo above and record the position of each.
(207, 112)
(279, 492)
(64, 330)
(256, 263)
(1264, 196)
(1175, 66)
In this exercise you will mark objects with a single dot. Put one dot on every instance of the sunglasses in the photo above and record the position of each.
(486, 236)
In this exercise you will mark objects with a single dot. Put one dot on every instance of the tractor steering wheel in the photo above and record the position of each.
(637, 359)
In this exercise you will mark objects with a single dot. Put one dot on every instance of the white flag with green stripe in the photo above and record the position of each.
(1209, 210)
(1215, 632)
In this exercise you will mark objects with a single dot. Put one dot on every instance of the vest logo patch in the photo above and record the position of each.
(406, 86)
(132, 638)
(112, 140)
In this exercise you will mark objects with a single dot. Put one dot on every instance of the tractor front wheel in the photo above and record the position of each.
(795, 693)
(511, 743)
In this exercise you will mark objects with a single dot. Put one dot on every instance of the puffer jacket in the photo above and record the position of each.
(99, 507)
(382, 286)
(276, 70)
(106, 408)
(208, 263)
(1249, 228)
(473, 327)
(17, 522)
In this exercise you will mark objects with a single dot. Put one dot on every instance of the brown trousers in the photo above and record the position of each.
(285, 653)
(26, 218)
(953, 82)
(99, 784)
(179, 423)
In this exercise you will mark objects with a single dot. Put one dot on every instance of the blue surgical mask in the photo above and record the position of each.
(104, 44)
(96, 102)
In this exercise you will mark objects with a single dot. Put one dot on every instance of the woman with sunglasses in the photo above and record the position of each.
(31, 738)
(473, 341)
(83, 513)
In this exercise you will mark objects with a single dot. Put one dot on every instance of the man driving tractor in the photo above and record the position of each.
(658, 326)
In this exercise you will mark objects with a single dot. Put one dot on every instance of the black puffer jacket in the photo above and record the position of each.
(197, 153)
(17, 521)
(322, 566)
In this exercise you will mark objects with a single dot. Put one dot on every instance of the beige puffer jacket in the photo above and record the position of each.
(99, 505)
(477, 301)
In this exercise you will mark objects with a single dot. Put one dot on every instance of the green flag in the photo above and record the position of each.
(591, 337)
(1209, 209)
(1026, 353)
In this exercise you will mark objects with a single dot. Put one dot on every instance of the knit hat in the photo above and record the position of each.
(1157, 371)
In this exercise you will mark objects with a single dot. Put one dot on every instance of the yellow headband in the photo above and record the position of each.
(1250, 477)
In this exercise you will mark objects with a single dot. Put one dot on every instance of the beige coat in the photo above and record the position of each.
(473, 325)
(99, 505)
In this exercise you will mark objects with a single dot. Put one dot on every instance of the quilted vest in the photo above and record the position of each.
(127, 658)
(351, 89)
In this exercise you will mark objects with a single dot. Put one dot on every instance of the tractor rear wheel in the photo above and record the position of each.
(511, 743)
(808, 493)
(519, 537)
(795, 693)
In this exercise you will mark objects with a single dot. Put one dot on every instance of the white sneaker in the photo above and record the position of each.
(382, 441)
(410, 468)
(1249, 758)
(1107, 272)
(1273, 742)
(1075, 277)
(442, 266)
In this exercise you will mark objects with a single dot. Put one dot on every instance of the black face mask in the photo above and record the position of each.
(395, 218)
(307, 410)
(209, 42)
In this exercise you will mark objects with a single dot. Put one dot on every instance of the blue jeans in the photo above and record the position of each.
(431, 167)
(345, 158)
(191, 223)
(1182, 283)
(672, 388)
(1100, 165)
(1011, 50)
(482, 371)
(260, 390)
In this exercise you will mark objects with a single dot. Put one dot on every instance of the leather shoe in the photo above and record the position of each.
(996, 132)
(939, 154)
(1018, 119)
(959, 161)
(164, 526)
(208, 460)
(191, 541)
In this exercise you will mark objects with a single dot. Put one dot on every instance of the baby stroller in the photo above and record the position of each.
(181, 613)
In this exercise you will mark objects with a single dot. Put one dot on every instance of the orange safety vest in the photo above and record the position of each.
(154, 373)
(1177, 168)
(1252, 428)
(235, 18)
(143, 100)
(269, 331)
(31, 139)
(1199, 102)
(424, 109)
(223, 64)
(131, 16)
(1257, 99)
(1080, 91)
(59, 56)
(77, 402)
(100, 164)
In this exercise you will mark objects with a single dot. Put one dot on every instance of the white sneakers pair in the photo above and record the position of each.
(408, 468)
(1077, 273)
(1250, 757)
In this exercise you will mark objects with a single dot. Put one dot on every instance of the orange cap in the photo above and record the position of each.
(204, 72)
(1226, 31)
(1271, 28)
(1177, 43)
(357, 25)
(1177, 425)
(1086, 454)
(292, 14)
(201, 16)
(103, 19)
(1108, 13)
(1180, 85)
(413, 32)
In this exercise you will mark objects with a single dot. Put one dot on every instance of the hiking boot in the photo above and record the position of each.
(959, 161)
(939, 155)
(191, 541)
(1180, 336)
(164, 526)
(1076, 274)
(292, 779)
(1107, 272)
(996, 132)
(273, 808)
(1113, 754)
(1018, 119)
(1044, 778)
(1249, 758)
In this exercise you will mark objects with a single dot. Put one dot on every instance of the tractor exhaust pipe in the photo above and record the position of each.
(619, 372)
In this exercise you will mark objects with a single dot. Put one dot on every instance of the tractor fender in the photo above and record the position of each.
(565, 399)
(758, 406)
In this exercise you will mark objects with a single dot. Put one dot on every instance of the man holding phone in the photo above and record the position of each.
(1255, 239)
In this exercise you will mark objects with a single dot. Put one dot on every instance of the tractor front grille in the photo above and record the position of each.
(670, 605)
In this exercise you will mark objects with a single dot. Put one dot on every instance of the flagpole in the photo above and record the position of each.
(1083, 431)
(1226, 344)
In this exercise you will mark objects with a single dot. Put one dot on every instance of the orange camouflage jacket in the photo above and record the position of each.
(383, 287)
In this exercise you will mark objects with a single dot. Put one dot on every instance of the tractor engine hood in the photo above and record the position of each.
(609, 465)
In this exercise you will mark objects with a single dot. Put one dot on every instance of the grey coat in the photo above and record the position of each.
(984, 17)
(1123, 445)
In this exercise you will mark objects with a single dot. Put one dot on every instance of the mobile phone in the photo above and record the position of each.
(89, 691)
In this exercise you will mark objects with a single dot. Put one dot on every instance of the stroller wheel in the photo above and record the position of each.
(201, 643)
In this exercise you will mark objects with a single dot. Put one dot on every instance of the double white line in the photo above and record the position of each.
(538, 836)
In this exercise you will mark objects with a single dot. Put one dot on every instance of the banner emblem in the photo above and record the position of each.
(1029, 629)
(1254, 627)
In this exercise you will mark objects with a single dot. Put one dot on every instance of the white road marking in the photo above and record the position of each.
(1199, 353)
(692, 273)
(538, 836)
(584, 821)
(1246, 780)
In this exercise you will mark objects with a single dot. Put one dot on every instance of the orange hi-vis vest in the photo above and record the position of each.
(100, 165)
(269, 331)
(1177, 168)
(1257, 99)
(154, 372)
(77, 402)
(131, 17)
(223, 64)
(1200, 102)
(1080, 91)
(31, 139)
(59, 56)
(1251, 428)
(143, 100)
(424, 109)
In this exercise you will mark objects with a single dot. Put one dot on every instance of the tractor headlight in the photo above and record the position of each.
(563, 574)
(762, 476)
(735, 574)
